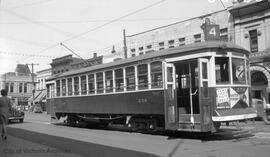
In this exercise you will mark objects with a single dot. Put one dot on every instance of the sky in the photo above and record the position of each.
(31, 30)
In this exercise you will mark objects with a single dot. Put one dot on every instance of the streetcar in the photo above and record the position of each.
(192, 88)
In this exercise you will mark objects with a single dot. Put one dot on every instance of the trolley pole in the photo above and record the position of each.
(33, 82)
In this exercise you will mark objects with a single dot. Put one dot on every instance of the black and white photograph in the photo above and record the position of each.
(135, 78)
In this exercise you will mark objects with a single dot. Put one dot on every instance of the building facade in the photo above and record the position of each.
(18, 84)
(252, 31)
(42, 75)
(67, 63)
(244, 23)
(178, 34)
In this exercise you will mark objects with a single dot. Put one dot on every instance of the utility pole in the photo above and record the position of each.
(125, 44)
(33, 81)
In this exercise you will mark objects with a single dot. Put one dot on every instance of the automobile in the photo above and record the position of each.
(37, 109)
(16, 115)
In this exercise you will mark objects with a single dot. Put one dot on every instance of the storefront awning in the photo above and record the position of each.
(38, 96)
(41, 96)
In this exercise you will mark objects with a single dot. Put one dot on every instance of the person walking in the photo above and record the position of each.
(5, 106)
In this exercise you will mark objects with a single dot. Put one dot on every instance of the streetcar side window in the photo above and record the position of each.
(238, 71)
(83, 85)
(119, 80)
(76, 85)
(70, 86)
(156, 75)
(91, 83)
(64, 87)
(100, 82)
(222, 70)
(58, 88)
(109, 81)
(130, 78)
(142, 76)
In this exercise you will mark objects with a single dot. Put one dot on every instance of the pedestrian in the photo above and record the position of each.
(5, 106)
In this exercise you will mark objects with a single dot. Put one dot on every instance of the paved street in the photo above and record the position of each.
(37, 137)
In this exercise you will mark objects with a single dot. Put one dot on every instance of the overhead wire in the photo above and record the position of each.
(106, 51)
(100, 26)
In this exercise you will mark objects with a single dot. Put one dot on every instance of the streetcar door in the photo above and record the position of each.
(205, 95)
(187, 79)
(170, 97)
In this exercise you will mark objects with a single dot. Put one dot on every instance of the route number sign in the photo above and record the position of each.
(211, 32)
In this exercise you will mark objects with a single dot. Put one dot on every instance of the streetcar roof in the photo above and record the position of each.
(195, 47)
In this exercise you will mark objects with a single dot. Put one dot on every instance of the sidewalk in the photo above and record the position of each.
(17, 147)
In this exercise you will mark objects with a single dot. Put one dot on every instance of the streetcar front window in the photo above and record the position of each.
(238, 71)
(222, 70)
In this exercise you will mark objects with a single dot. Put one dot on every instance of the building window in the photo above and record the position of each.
(224, 38)
(20, 87)
(156, 74)
(11, 87)
(100, 82)
(171, 43)
(58, 88)
(25, 87)
(91, 83)
(224, 34)
(140, 50)
(7, 87)
(130, 78)
(70, 91)
(182, 41)
(133, 52)
(64, 87)
(83, 85)
(143, 76)
(109, 81)
(197, 38)
(161, 45)
(119, 80)
(76, 85)
(149, 49)
(253, 41)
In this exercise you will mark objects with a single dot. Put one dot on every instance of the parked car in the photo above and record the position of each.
(37, 109)
(258, 104)
(16, 114)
